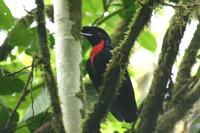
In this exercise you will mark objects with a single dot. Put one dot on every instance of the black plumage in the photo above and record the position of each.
(123, 107)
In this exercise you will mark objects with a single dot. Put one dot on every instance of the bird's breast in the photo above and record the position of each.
(95, 50)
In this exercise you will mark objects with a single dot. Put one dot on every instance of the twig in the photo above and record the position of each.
(102, 15)
(103, 19)
(29, 12)
(24, 93)
(15, 73)
(32, 103)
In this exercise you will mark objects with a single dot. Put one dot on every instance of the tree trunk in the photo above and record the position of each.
(67, 16)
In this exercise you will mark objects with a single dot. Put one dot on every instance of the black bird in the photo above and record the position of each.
(123, 107)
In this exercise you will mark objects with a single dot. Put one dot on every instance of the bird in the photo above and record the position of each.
(123, 107)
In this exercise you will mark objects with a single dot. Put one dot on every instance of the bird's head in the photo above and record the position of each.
(95, 35)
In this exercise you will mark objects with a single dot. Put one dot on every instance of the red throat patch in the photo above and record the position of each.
(95, 50)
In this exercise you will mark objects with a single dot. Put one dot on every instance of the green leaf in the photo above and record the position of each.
(40, 105)
(128, 3)
(147, 40)
(25, 40)
(22, 130)
(85, 53)
(129, 9)
(47, 2)
(4, 114)
(10, 85)
(6, 18)
(198, 73)
(51, 40)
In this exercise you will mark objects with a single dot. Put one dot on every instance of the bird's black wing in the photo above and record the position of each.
(124, 106)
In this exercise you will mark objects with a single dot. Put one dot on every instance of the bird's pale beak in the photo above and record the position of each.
(85, 34)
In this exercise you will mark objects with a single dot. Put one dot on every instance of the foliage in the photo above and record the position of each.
(24, 43)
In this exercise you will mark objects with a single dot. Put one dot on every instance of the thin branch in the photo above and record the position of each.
(23, 95)
(102, 15)
(103, 19)
(17, 72)
(48, 73)
(167, 121)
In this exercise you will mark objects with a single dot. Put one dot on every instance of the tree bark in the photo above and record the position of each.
(67, 17)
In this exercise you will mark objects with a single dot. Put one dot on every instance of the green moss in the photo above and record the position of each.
(75, 16)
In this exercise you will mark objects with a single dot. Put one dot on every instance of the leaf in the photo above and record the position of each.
(22, 130)
(4, 114)
(147, 40)
(129, 9)
(128, 3)
(51, 40)
(85, 53)
(40, 105)
(10, 85)
(6, 18)
(47, 2)
(25, 40)
(198, 73)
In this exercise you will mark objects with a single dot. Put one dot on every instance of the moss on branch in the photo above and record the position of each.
(48, 74)
(184, 73)
(116, 68)
(167, 121)
(152, 105)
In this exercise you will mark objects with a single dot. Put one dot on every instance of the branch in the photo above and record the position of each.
(116, 68)
(184, 73)
(169, 119)
(152, 105)
(106, 7)
(23, 95)
(48, 74)
(15, 73)
(103, 19)
(21, 24)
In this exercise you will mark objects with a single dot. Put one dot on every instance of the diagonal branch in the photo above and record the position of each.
(21, 24)
(169, 119)
(116, 68)
(23, 95)
(187, 62)
(152, 105)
